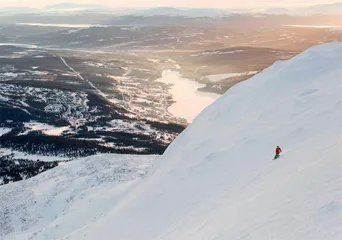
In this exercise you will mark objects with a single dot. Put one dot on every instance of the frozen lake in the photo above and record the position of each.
(61, 25)
(312, 26)
(219, 77)
(189, 102)
(18, 45)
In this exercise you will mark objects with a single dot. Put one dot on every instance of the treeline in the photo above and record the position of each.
(13, 169)
(73, 148)
(51, 145)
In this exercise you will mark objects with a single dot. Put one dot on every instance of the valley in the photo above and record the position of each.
(131, 122)
(127, 84)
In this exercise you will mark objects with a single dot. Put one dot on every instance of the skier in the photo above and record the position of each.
(278, 151)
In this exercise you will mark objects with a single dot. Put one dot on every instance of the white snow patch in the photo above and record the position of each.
(39, 73)
(67, 198)
(45, 128)
(56, 131)
(9, 74)
(153, 60)
(4, 131)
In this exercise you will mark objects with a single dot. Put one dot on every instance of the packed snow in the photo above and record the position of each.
(218, 180)
(69, 197)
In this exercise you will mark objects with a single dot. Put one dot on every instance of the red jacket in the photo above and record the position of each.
(278, 150)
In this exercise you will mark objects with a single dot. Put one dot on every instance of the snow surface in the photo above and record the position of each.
(67, 198)
(218, 180)
(4, 131)
(45, 128)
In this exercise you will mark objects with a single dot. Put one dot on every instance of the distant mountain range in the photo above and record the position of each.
(326, 9)
(186, 12)
(73, 5)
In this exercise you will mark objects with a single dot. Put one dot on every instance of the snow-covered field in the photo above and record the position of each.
(44, 128)
(189, 102)
(69, 197)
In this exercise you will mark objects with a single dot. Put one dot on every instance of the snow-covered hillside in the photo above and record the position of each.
(69, 197)
(217, 180)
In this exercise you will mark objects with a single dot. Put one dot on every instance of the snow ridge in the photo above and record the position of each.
(68, 197)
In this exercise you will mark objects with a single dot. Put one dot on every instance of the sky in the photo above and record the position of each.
(182, 3)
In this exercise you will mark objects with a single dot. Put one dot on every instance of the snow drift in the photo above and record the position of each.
(218, 180)
(68, 197)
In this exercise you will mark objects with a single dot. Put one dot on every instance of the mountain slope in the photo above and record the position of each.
(68, 197)
(218, 180)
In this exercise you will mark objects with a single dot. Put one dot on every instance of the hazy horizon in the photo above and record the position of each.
(175, 3)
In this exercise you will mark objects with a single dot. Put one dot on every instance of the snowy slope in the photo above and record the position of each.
(69, 197)
(218, 180)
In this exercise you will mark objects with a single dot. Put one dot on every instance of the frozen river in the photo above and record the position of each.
(189, 102)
